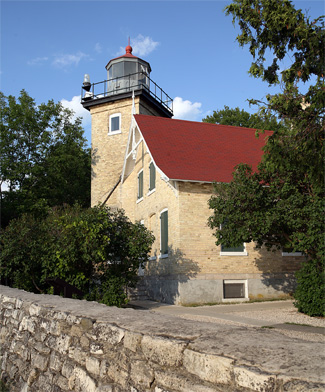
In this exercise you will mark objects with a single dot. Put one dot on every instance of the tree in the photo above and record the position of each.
(241, 118)
(282, 205)
(44, 158)
(96, 250)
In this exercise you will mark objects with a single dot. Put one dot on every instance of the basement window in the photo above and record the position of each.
(235, 289)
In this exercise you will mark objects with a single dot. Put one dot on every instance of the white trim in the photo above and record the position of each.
(110, 121)
(227, 281)
(151, 192)
(292, 254)
(244, 253)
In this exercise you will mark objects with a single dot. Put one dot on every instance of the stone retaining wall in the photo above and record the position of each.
(53, 344)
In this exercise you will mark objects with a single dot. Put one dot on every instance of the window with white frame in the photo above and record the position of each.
(114, 124)
(164, 233)
(233, 250)
(152, 177)
(140, 185)
(290, 252)
(235, 288)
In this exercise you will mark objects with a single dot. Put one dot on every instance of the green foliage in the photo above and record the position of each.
(96, 250)
(241, 118)
(282, 205)
(44, 159)
(310, 292)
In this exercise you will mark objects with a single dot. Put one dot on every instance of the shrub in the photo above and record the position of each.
(96, 250)
(310, 291)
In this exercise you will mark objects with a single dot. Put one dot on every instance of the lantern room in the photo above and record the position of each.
(127, 72)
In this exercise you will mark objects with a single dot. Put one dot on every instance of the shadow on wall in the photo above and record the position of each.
(94, 160)
(277, 271)
(164, 276)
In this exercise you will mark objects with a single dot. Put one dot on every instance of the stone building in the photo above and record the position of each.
(161, 172)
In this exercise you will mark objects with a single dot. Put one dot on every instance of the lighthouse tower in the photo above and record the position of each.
(128, 90)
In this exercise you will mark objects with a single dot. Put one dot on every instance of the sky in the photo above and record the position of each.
(48, 46)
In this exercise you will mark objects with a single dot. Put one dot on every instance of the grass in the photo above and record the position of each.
(267, 326)
(304, 325)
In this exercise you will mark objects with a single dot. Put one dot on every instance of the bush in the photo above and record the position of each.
(95, 250)
(310, 291)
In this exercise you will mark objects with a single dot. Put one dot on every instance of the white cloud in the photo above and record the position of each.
(98, 48)
(64, 60)
(141, 46)
(78, 109)
(186, 110)
(37, 61)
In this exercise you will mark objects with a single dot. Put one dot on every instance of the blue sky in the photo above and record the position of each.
(48, 46)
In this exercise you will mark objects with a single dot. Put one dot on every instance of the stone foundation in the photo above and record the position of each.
(52, 344)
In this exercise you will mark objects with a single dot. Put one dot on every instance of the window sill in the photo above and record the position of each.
(165, 256)
(235, 299)
(151, 192)
(285, 254)
(139, 200)
(233, 254)
(114, 133)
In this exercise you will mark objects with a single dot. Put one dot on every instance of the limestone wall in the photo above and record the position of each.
(51, 344)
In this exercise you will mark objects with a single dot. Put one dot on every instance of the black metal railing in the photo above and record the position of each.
(124, 84)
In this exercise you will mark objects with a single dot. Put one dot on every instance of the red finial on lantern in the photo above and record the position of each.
(128, 49)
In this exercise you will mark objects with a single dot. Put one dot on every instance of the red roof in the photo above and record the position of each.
(197, 151)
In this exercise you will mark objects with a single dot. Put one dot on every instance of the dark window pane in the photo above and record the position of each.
(140, 185)
(115, 123)
(152, 180)
(233, 249)
(164, 232)
(234, 290)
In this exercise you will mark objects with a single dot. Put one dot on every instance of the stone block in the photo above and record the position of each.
(27, 324)
(132, 340)
(93, 365)
(35, 310)
(210, 368)
(105, 388)
(96, 348)
(108, 333)
(253, 378)
(39, 361)
(82, 381)
(55, 362)
(67, 369)
(166, 352)
(141, 374)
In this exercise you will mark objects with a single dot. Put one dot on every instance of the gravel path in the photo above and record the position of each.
(271, 317)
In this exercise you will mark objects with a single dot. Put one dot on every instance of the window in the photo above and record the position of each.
(140, 185)
(233, 251)
(114, 123)
(164, 233)
(152, 177)
(289, 252)
(235, 289)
